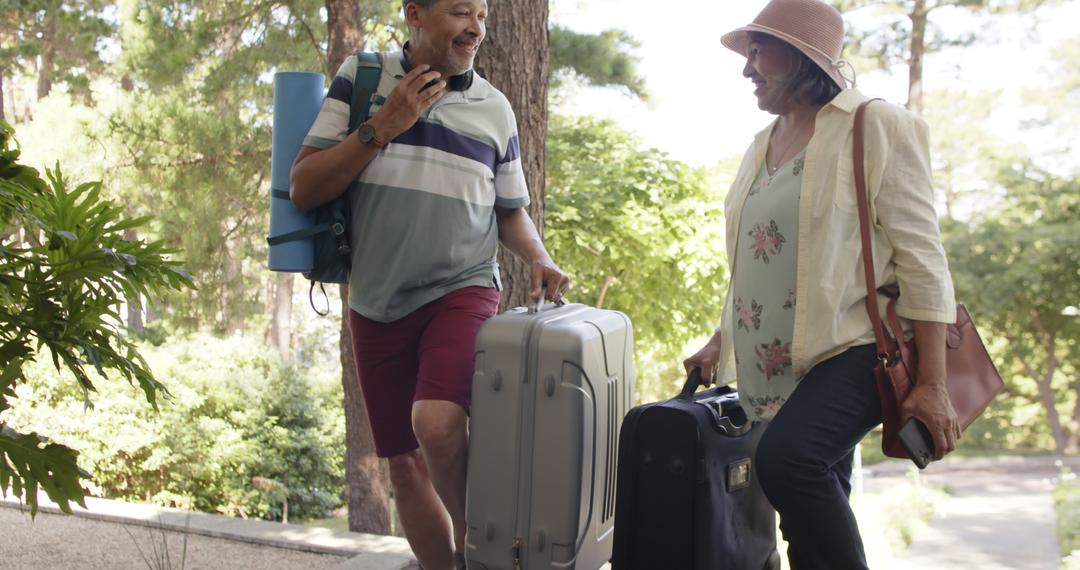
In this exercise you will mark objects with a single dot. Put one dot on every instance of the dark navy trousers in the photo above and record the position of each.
(805, 458)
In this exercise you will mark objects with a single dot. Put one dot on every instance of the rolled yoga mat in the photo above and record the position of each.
(298, 97)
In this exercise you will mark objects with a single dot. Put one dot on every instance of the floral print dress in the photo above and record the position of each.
(764, 274)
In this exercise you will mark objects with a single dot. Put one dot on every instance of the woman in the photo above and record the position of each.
(794, 331)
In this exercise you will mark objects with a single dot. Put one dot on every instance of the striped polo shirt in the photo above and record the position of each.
(423, 211)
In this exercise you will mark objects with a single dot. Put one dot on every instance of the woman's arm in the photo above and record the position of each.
(929, 399)
(898, 144)
(905, 211)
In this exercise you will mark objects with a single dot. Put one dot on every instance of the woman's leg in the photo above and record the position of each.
(805, 456)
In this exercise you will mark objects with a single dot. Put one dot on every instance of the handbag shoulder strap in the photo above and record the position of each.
(883, 342)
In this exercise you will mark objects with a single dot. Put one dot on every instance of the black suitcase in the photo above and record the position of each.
(687, 496)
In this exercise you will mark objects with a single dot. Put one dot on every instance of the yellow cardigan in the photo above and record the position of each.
(830, 313)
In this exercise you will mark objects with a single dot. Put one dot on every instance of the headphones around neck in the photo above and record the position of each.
(455, 82)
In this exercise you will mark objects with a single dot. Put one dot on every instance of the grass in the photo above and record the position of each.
(157, 554)
(337, 523)
(1067, 503)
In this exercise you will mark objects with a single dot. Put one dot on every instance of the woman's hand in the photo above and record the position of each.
(929, 402)
(707, 359)
(929, 399)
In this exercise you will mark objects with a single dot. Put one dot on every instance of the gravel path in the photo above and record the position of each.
(57, 541)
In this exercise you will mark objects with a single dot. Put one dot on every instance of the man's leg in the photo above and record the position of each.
(443, 394)
(441, 429)
(426, 524)
(387, 363)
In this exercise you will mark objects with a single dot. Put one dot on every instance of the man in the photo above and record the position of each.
(439, 183)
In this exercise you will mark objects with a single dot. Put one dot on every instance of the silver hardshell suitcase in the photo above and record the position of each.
(550, 391)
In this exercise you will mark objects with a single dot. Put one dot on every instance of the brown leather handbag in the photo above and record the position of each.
(971, 378)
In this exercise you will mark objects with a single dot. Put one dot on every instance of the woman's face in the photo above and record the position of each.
(769, 64)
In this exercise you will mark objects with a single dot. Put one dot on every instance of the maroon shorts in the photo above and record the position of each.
(427, 355)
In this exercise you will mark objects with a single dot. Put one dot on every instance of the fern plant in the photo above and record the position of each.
(62, 283)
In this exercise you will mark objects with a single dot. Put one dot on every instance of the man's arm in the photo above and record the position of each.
(518, 233)
(319, 176)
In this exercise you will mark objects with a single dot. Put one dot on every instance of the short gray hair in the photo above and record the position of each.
(424, 3)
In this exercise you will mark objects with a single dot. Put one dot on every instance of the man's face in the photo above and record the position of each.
(448, 34)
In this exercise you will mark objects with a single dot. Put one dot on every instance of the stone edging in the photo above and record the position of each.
(290, 536)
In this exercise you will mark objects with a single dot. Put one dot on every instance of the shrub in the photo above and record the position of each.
(235, 412)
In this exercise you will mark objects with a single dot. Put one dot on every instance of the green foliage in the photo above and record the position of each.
(60, 289)
(1017, 267)
(1067, 502)
(59, 38)
(221, 45)
(639, 232)
(235, 414)
(603, 59)
(196, 136)
(208, 173)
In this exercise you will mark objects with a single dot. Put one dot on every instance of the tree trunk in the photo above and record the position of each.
(346, 32)
(1044, 383)
(1046, 388)
(1046, 396)
(608, 282)
(367, 486)
(48, 54)
(232, 312)
(134, 306)
(919, 16)
(149, 315)
(514, 58)
(1073, 444)
(281, 319)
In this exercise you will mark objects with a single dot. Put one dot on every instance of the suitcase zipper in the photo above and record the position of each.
(517, 553)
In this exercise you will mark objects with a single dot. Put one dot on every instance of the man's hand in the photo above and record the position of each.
(518, 233)
(707, 359)
(548, 280)
(407, 102)
(929, 402)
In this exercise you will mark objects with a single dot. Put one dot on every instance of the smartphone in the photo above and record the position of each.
(917, 441)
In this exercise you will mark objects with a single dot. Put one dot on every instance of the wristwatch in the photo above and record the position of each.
(367, 135)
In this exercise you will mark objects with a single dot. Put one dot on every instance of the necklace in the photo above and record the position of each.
(796, 136)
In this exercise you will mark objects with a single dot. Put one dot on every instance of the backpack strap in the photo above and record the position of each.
(365, 87)
(365, 91)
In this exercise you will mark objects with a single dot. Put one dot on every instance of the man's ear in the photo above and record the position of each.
(412, 14)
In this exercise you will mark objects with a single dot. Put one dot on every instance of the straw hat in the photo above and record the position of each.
(813, 27)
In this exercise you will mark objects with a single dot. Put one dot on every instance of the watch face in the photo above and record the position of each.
(366, 133)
